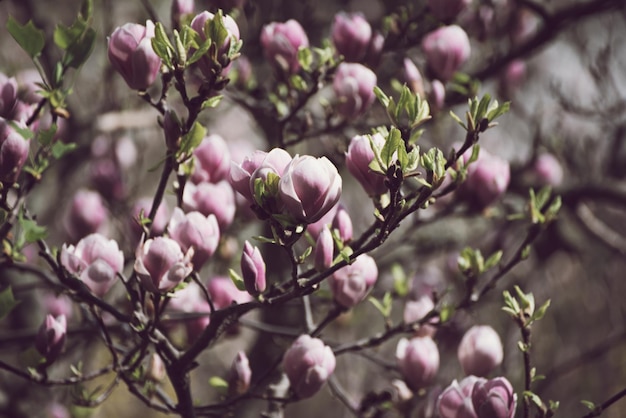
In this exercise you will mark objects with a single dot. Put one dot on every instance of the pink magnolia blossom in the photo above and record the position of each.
(96, 260)
(131, 54)
(13, 153)
(358, 158)
(194, 230)
(281, 41)
(8, 95)
(456, 400)
(240, 374)
(354, 89)
(85, 215)
(446, 50)
(308, 363)
(309, 187)
(253, 269)
(212, 159)
(161, 265)
(211, 199)
(480, 351)
(350, 284)
(351, 34)
(199, 24)
(418, 360)
(242, 176)
(494, 398)
(51, 337)
(224, 293)
(324, 248)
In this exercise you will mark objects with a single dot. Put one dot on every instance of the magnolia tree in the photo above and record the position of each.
(230, 209)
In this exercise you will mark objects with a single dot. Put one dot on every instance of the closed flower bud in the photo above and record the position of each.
(96, 261)
(350, 284)
(324, 247)
(199, 24)
(131, 54)
(224, 293)
(447, 10)
(253, 269)
(354, 89)
(13, 153)
(281, 42)
(487, 179)
(437, 95)
(413, 77)
(56, 305)
(547, 170)
(211, 199)
(456, 400)
(241, 175)
(85, 215)
(8, 96)
(374, 50)
(51, 337)
(446, 49)
(358, 159)
(240, 374)
(480, 351)
(351, 35)
(161, 265)
(342, 223)
(309, 187)
(415, 310)
(194, 230)
(418, 361)
(308, 363)
(212, 159)
(494, 398)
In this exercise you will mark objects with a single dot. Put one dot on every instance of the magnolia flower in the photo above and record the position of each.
(354, 88)
(480, 350)
(446, 50)
(51, 337)
(308, 363)
(350, 284)
(418, 360)
(131, 54)
(281, 41)
(161, 265)
(96, 260)
(494, 398)
(456, 400)
(351, 34)
(253, 269)
(358, 158)
(194, 230)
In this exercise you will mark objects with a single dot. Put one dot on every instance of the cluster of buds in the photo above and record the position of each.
(210, 66)
(476, 397)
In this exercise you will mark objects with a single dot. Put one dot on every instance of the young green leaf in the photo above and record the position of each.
(7, 302)
(28, 36)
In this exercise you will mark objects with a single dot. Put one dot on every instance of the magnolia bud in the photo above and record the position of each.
(253, 269)
(224, 293)
(351, 35)
(13, 153)
(415, 310)
(85, 215)
(51, 337)
(281, 42)
(374, 50)
(413, 77)
(240, 374)
(358, 159)
(194, 230)
(56, 305)
(131, 54)
(437, 94)
(324, 247)
(212, 159)
(354, 88)
(198, 24)
(309, 187)
(547, 170)
(350, 284)
(446, 49)
(8, 95)
(418, 360)
(207, 198)
(181, 8)
(96, 260)
(342, 223)
(480, 351)
(487, 179)
(161, 265)
(308, 363)
(494, 398)
(456, 400)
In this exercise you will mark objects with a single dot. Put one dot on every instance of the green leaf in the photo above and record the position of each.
(212, 102)
(78, 52)
(298, 82)
(45, 137)
(162, 45)
(400, 280)
(384, 305)
(446, 313)
(390, 149)
(28, 36)
(458, 120)
(200, 52)
(381, 96)
(534, 398)
(7, 302)
(493, 259)
(32, 231)
(590, 405)
(192, 139)
(540, 313)
(305, 58)
(215, 29)
(218, 383)
(237, 279)
(26, 133)
(59, 149)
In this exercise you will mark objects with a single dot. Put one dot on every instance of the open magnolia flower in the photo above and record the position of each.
(161, 264)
